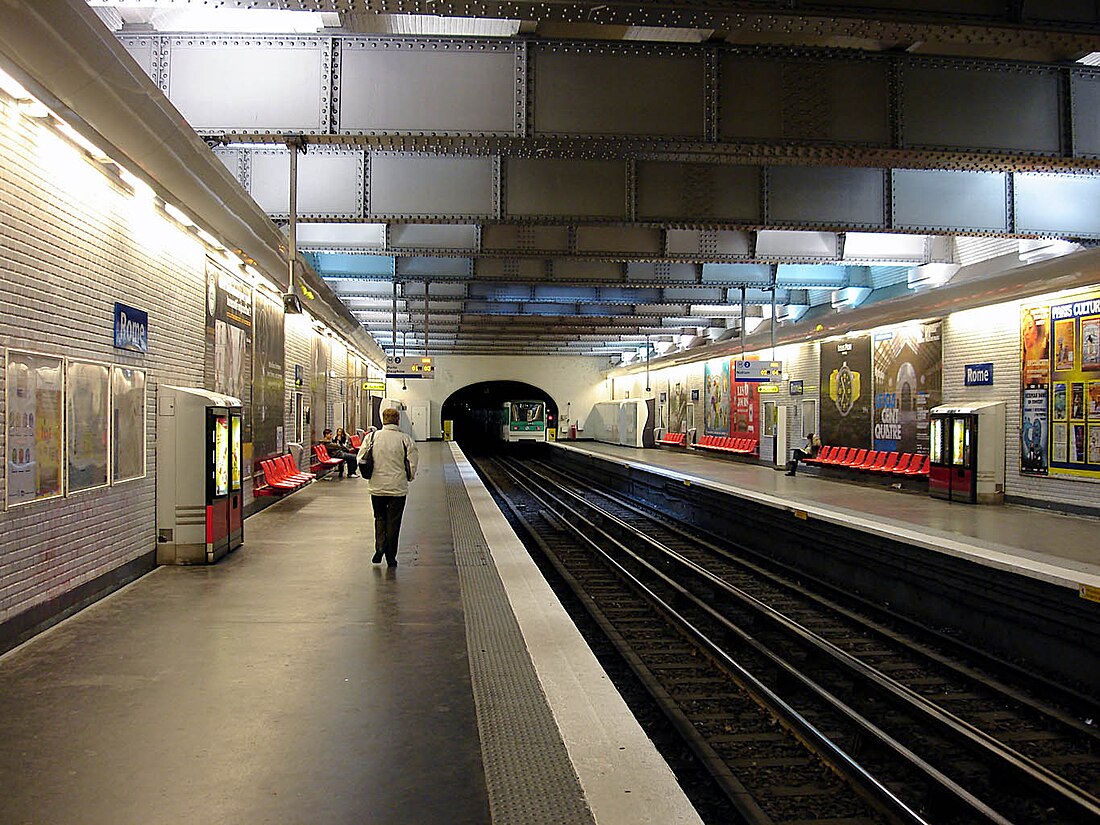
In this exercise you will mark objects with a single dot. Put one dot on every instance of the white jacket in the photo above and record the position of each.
(390, 445)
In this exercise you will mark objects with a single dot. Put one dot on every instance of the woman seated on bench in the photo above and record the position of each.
(339, 446)
(813, 444)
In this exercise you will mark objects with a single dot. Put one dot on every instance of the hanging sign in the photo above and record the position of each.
(374, 386)
(758, 371)
(399, 366)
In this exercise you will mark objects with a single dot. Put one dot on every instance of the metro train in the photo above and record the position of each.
(524, 421)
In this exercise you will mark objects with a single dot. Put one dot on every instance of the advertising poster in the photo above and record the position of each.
(34, 384)
(1090, 343)
(1094, 401)
(677, 407)
(1035, 345)
(86, 424)
(320, 404)
(846, 392)
(716, 416)
(744, 414)
(1094, 445)
(908, 375)
(1034, 432)
(268, 359)
(1058, 441)
(1074, 365)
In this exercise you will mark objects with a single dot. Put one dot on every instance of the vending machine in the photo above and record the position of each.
(967, 453)
(199, 476)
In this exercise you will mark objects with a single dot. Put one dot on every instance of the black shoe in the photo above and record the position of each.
(377, 557)
(789, 474)
(391, 562)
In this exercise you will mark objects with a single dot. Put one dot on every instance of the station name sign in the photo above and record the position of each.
(758, 371)
(131, 328)
(978, 375)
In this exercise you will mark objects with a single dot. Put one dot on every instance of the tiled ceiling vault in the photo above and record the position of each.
(520, 177)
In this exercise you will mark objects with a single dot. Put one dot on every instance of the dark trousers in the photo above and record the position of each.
(387, 524)
(796, 456)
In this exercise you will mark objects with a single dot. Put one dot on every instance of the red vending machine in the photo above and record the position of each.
(236, 495)
(199, 475)
(967, 453)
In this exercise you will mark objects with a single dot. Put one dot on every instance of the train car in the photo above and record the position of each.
(524, 421)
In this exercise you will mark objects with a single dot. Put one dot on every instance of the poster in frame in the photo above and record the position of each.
(1077, 444)
(1094, 401)
(34, 411)
(1090, 343)
(1077, 401)
(1059, 434)
(1094, 445)
(1065, 345)
(1058, 405)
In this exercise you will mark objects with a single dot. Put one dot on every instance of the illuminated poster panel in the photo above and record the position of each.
(34, 408)
(908, 376)
(87, 417)
(1060, 360)
(716, 411)
(127, 424)
(221, 455)
(846, 392)
(235, 451)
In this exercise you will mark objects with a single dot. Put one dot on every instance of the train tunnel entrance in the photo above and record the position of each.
(477, 412)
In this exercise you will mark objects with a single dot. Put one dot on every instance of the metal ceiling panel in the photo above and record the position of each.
(707, 243)
(342, 236)
(566, 188)
(432, 236)
(804, 99)
(330, 183)
(233, 160)
(342, 265)
(811, 276)
(826, 196)
(782, 244)
(565, 269)
(696, 295)
(501, 292)
(436, 289)
(661, 271)
(516, 268)
(511, 237)
(928, 199)
(1058, 204)
(698, 192)
(1085, 94)
(420, 267)
(606, 89)
(142, 50)
(983, 108)
(751, 274)
(415, 186)
(572, 294)
(438, 87)
(262, 84)
(624, 240)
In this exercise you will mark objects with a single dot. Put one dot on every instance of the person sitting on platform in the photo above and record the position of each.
(341, 449)
(813, 444)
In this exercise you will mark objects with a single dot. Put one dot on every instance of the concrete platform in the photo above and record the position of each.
(295, 682)
(1048, 546)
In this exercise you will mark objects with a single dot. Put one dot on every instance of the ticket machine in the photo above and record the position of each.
(199, 491)
(967, 453)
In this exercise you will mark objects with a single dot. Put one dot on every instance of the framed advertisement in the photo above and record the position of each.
(87, 413)
(1094, 401)
(35, 428)
(1077, 444)
(1094, 445)
(1058, 407)
(127, 424)
(1034, 431)
(1077, 401)
(1090, 343)
(1059, 434)
(1065, 345)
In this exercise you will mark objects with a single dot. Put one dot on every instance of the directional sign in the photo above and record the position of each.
(398, 366)
(374, 386)
(758, 371)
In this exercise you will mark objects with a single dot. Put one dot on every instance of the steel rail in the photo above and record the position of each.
(817, 741)
(1022, 767)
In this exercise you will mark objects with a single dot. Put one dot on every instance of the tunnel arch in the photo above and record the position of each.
(477, 410)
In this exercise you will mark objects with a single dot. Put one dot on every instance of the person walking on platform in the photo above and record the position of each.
(394, 457)
(813, 444)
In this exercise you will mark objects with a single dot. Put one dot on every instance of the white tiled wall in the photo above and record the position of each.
(71, 244)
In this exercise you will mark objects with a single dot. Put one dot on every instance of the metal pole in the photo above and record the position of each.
(292, 144)
(647, 363)
(773, 322)
(393, 340)
(744, 318)
(425, 318)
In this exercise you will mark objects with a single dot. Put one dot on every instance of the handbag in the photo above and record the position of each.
(408, 469)
(366, 466)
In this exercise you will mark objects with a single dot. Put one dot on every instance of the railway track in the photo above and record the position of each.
(802, 710)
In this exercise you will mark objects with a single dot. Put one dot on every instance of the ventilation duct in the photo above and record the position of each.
(931, 275)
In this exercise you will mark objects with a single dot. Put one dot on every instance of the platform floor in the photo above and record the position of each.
(1059, 548)
(295, 682)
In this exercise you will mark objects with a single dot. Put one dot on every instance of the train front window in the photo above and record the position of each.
(527, 412)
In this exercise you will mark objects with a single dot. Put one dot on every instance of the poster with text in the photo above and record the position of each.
(1034, 431)
(1035, 345)
(908, 374)
(1058, 436)
(716, 420)
(1094, 445)
(1094, 401)
(846, 392)
(1074, 364)
(34, 427)
(745, 410)
(268, 359)
(677, 407)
